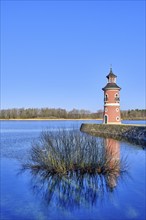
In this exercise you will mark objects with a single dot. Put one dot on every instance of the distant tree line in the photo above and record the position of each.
(52, 113)
(133, 114)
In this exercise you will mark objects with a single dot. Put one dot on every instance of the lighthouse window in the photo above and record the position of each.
(117, 99)
(117, 118)
(112, 80)
(117, 109)
(106, 98)
(106, 109)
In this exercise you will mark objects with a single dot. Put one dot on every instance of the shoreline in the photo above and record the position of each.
(63, 119)
(49, 119)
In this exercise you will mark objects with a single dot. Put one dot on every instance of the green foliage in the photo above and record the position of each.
(134, 114)
(43, 113)
(52, 113)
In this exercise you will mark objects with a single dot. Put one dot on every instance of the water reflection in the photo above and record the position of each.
(77, 189)
(113, 159)
(71, 191)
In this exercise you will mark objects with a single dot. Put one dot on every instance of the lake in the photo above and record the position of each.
(28, 197)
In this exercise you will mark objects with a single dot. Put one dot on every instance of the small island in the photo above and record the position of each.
(132, 133)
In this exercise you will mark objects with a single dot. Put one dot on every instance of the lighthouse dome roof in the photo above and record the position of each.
(111, 86)
(111, 74)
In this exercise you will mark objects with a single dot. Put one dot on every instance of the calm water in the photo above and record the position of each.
(26, 197)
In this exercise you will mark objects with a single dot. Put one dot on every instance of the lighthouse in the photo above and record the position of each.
(111, 113)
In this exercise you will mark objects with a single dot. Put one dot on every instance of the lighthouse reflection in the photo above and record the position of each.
(113, 161)
(76, 189)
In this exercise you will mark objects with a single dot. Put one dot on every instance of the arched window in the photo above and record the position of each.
(106, 98)
(105, 119)
(117, 99)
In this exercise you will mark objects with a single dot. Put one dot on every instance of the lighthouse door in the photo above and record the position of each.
(105, 119)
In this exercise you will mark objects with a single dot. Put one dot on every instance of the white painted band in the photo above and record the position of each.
(112, 104)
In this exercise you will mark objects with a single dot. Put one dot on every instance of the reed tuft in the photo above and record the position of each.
(66, 151)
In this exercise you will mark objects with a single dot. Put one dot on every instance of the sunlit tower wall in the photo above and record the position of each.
(111, 114)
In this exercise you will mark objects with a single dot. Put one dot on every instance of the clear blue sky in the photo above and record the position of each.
(58, 53)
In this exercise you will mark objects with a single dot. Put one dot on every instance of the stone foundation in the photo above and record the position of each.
(132, 133)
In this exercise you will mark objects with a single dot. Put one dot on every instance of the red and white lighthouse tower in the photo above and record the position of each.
(111, 113)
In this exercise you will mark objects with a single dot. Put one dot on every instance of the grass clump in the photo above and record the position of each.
(66, 151)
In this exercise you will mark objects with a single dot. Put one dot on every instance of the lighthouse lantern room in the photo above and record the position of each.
(111, 113)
